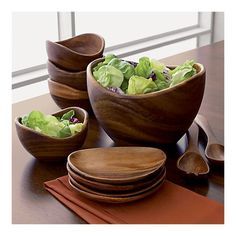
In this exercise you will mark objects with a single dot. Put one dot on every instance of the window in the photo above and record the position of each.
(118, 28)
(166, 51)
(128, 35)
(29, 33)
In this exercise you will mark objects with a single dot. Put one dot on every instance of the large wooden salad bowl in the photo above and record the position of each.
(160, 117)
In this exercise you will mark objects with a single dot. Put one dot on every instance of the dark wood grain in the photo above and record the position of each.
(160, 117)
(31, 203)
(192, 163)
(117, 164)
(134, 191)
(46, 148)
(118, 199)
(99, 186)
(65, 96)
(76, 80)
(74, 54)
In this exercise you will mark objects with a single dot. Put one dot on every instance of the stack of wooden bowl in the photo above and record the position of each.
(117, 174)
(67, 62)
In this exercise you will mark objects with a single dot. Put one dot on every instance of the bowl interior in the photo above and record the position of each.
(80, 113)
(199, 68)
(87, 44)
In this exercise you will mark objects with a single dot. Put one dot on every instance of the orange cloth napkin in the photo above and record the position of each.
(170, 204)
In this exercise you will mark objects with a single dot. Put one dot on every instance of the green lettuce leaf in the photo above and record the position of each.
(109, 76)
(75, 128)
(34, 119)
(140, 85)
(51, 125)
(157, 66)
(68, 115)
(182, 72)
(126, 68)
(143, 68)
(107, 59)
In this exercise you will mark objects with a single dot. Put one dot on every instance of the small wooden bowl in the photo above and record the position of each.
(76, 80)
(161, 117)
(47, 148)
(65, 96)
(74, 54)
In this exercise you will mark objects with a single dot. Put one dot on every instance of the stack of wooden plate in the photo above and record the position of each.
(117, 174)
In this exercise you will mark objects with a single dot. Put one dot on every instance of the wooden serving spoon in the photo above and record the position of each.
(191, 162)
(214, 150)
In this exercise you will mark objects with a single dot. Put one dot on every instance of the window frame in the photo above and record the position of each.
(203, 31)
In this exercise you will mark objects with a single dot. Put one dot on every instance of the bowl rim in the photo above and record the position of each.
(140, 96)
(85, 174)
(80, 54)
(50, 63)
(85, 124)
(80, 94)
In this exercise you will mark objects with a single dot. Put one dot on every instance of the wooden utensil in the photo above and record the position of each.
(129, 187)
(214, 150)
(191, 162)
(116, 164)
(109, 199)
(160, 117)
(119, 194)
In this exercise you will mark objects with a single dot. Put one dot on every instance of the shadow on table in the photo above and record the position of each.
(38, 172)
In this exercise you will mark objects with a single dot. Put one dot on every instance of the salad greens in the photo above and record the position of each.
(183, 72)
(126, 68)
(140, 85)
(60, 127)
(143, 68)
(109, 76)
(148, 75)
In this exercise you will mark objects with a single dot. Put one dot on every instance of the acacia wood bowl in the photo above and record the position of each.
(74, 54)
(159, 118)
(76, 80)
(66, 96)
(46, 148)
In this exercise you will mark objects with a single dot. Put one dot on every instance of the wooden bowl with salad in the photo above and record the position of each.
(52, 137)
(145, 102)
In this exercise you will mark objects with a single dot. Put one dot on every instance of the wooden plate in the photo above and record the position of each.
(116, 188)
(121, 194)
(116, 164)
(109, 199)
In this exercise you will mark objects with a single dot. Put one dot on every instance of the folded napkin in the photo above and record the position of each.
(170, 204)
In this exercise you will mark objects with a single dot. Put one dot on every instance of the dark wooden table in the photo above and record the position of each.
(32, 204)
